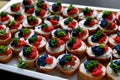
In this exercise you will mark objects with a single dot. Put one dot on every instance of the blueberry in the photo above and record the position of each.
(20, 33)
(54, 7)
(69, 44)
(94, 38)
(25, 2)
(117, 47)
(62, 61)
(86, 22)
(0, 23)
(27, 7)
(103, 23)
(65, 30)
(41, 62)
(98, 51)
(74, 33)
(57, 18)
(56, 32)
(39, 27)
(86, 63)
(36, 12)
(117, 62)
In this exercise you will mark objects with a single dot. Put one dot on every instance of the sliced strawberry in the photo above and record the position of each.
(49, 60)
(92, 23)
(97, 72)
(39, 38)
(30, 2)
(102, 39)
(20, 18)
(16, 26)
(117, 39)
(5, 37)
(49, 29)
(61, 42)
(73, 11)
(53, 21)
(70, 63)
(74, 58)
(33, 23)
(77, 44)
(59, 8)
(72, 24)
(90, 14)
(110, 17)
(5, 18)
(81, 35)
(106, 48)
(26, 35)
(34, 53)
(9, 51)
(113, 26)
(37, 43)
(42, 13)
(66, 38)
(30, 11)
(99, 66)
(17, 8)
(22, 43)
(45, 6)
(1, 27)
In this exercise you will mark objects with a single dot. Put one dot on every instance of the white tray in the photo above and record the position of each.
(55, 74)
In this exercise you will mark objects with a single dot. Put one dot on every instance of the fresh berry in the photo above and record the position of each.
(117, 39)
(22, 43)
(117, 62)
(42, 13)
(15, 7)
(33, 54)
(27, 2)
(73, 11)
(54, 22)
(101, 40)
(77, 44)
(49, 60)
(61, 42)
(72, 24)
(117, 48)
(92, 23)
(87, 11)
(5, 18)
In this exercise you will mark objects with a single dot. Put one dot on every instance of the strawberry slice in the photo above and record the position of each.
(45, 6)
(1, 27)
(9, 51)
(5, 18)
(74, 58)
(49, 60)
(117, 39)
(81, 35)
(72, 24)
(73, 11)
(15, 26)
(37, 43)
(5, 37)
(59, 8)
(66, 38)
(49, 29)
(102, 39)
(42, 13)
(110, 17)
(22, 43)
(97, 72)
(53, 21)
(106, 48)
(19, 18)
(113, 26)
(17, 8)
(92, 23)
(77, 44)
(61, 42)
(34, 53)
(30, 11)
(90, 14)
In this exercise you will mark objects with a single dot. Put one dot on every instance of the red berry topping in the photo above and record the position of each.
(72, 24)
(61, 42)
(74, 58)
(45, 6)
(102, 39)
(110, 17)
(81, 35)
(53, 21)
(117, 39)
(37, 43)
(77, 44)
(1, 27)
(106, 48)
(42, 13)
(66, 38)
(30, 11)
(73, 11)
(5, 18)
(49, 60)
(119, 17)
(59, 8)
(92, 23)
(15, 26)
(9, 51)
(15, 7)
(5, 37)
(90, 14)
(48, 29)
(22, 43)
(113, 25)
(34, 53)
(19, 18)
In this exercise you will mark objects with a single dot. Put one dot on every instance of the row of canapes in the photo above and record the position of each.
(67, 63)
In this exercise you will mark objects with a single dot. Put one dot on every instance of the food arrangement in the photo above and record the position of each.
(75, 41)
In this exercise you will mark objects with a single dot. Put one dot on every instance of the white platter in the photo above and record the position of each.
(12, 65)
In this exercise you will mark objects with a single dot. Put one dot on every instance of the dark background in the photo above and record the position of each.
(99, 3)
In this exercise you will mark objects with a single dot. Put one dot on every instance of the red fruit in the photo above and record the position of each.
(49, 60)
(34, 49)
(73, 11)
(30, 11)
(66, 38)
(99, 66)
(106, 48)
(74, 58)
(29, 2)
(72, 24)
(59, 8)
(77, 44)
(49, 29)
(1, 27)
(97, 72)
(15, 26)
(39, 38)
(119, 17)
(19, 18)
(5, 37)
(17, 8)
(54, 22)
(33, 55)
(102, 39)
(37, 43)
(117, 39)
(61, 42)
(90, 14)
(5, 18)
(22, 43)
(42, 13)
(113, 26)
(45, 6)
(81, 35)
(92, 23)
(110, 17)
(70, 63)
(9, 51)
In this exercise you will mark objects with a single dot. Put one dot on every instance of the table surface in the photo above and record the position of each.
(98, 3)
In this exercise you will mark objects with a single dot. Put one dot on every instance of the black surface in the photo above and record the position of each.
(100, 3)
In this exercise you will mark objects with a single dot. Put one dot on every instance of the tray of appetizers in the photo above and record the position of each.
(53, 40)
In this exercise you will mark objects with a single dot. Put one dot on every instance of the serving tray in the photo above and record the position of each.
(55, 74)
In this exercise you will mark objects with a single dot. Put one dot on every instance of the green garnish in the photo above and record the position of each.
(18, 14)
(14, 6)
(39, 9)
(101, 46)
(26, 30)
(80, 30)
(109, 24)
(58, 3)
(86, 10)
(22, 64)
(27, 51)
(89, 19)
(44, 25)
(107, 13)
(32, 18)
(3, 49)
(55, 16)
(71, 7)
(72, 41)
(61, 33)
(114, 67)
(13, 22)
(53, 43)
(118, 33)
(99, 33)
(68, 58)
(68, 20)
(40, 3)
(15, 41)
(3, 32)
(33, 39)
(91, 65)
(2, 14)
